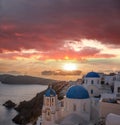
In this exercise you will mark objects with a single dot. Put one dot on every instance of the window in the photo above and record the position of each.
(62, 104)
(74, 107)
(92, 82)
(48, 115)
(91, 91)
(86, 81)
(47, 102)
(84, 107)
(118, 89)
(52, 101)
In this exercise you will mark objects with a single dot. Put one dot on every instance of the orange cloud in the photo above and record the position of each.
(84, 53)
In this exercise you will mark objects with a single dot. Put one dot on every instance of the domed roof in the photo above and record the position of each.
(92, 75)
(50, 92)
(77, 92)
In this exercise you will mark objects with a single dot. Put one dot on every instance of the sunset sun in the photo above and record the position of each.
(70, 67)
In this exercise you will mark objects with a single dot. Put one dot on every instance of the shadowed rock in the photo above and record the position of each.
(9, 104)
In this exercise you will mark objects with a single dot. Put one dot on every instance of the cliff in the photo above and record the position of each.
(28, 111)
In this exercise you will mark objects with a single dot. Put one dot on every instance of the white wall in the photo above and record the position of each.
(96, 81)
(94, 88)
(82, 107)
(113, 119)
(116, 86)
(106, 108)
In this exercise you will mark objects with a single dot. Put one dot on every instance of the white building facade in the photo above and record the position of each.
(49, 107)
(76, 101)
(92, 82)
(80, 103)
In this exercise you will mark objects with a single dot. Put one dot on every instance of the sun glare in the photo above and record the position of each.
(69, 66)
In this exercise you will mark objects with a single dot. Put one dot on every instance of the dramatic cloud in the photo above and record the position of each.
(45, 25)
(42, 35)
(66, 54)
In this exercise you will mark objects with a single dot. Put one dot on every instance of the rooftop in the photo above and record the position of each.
(92, 75)
(77, 92)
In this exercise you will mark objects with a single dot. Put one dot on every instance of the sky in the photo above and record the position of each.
(46, 35)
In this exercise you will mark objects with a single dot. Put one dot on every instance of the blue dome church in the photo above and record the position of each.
(49, 107)
(92, 82)
(92, 75)
(50, 92)
(77, 92)
(77, 101)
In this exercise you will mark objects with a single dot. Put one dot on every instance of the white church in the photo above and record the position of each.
(78, 106)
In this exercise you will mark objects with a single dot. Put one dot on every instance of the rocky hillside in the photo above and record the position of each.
(28, 111)
(10, 79)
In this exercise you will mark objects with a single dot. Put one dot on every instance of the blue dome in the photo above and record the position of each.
(50, 92)
(77, 92)
(92, 75)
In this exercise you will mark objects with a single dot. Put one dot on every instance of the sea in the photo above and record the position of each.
(15, 93)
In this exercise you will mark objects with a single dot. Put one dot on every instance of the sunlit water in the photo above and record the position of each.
(16, 93)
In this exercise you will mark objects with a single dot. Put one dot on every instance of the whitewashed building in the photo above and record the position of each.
(92, 82)
(80, 105)
(111, 104)
(75, 102)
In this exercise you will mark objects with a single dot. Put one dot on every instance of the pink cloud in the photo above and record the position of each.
(85, 53)
(49, 24)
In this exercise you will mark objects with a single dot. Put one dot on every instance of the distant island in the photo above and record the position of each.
(24, 79)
